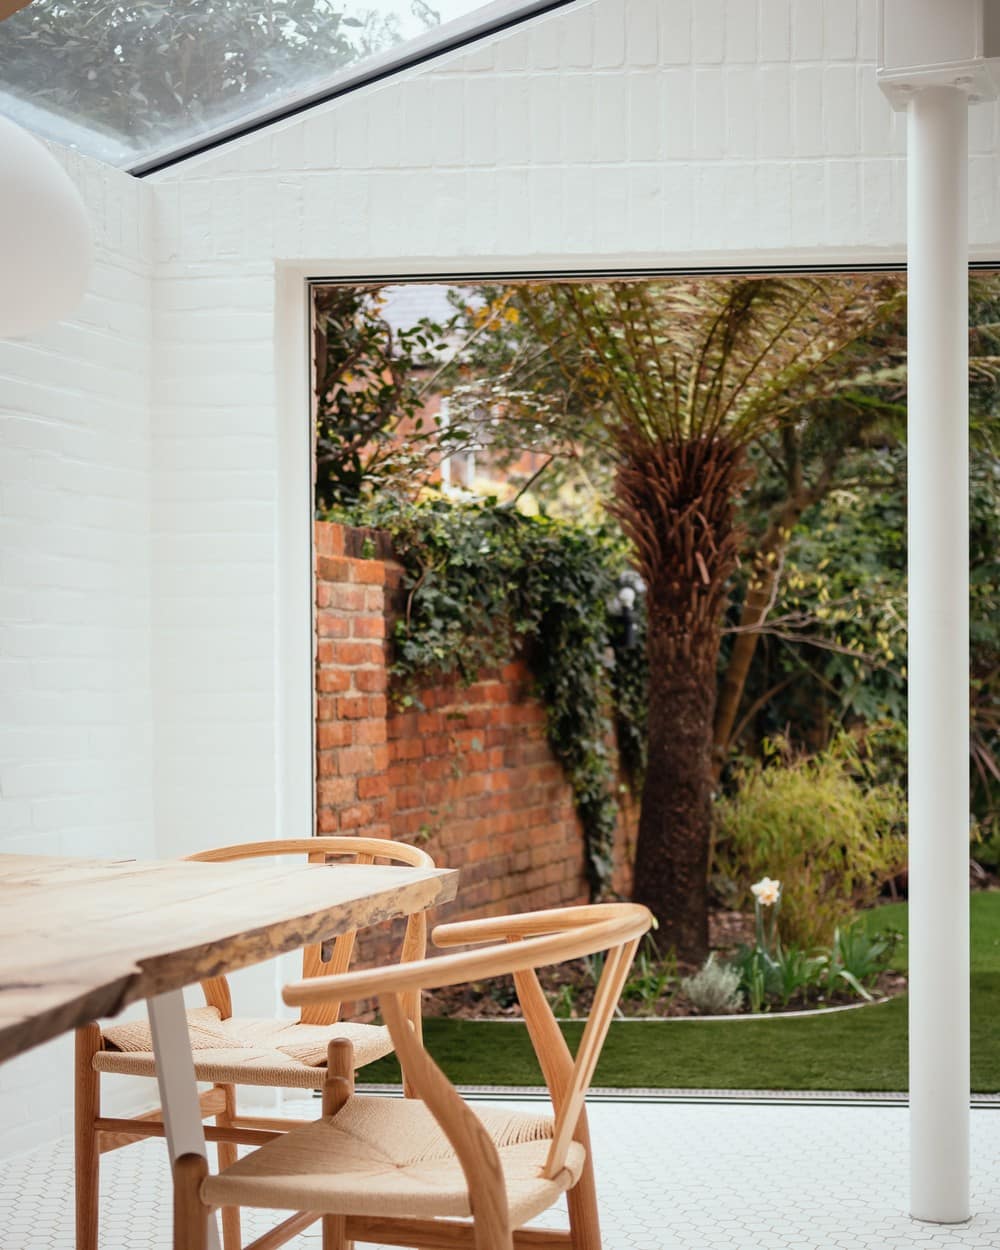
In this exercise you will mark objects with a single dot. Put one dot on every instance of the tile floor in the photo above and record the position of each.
(672, 1174)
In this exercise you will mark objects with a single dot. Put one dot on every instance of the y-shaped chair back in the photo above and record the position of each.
(521, 944)
(333, 958)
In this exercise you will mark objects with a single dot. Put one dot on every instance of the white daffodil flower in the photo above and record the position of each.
(766, 891)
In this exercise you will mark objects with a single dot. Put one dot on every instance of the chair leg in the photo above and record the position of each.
(87, 1109)
(190, 1213)
(338, 1088)
(581, 1200)
(487, 1236)
(334, 1233)
(228, 1154)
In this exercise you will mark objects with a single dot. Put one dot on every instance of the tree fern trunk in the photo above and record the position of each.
(676, 501)
(675, 823)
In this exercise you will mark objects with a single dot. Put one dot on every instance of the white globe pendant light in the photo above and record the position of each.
(46, 246)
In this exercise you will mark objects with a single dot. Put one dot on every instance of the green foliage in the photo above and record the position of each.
(564, 1002)
(822, 826)
(372, 387)
(763, 978)
(630, 675)
(650, 978)
(833, 650)
(828, 505)
(858, 955)
(984, 635)
(986, 848)
(688, 360)
(795, 976)
(795, 972)
(841, 610)
(483, 583)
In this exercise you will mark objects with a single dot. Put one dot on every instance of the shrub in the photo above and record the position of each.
(822, 826)
(714, 990)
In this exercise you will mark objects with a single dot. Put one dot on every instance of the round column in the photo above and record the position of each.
(938, 660)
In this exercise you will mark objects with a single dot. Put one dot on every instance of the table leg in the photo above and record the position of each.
(178, 1087)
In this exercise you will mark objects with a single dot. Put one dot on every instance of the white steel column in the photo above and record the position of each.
(938, 660)
(182, 1119)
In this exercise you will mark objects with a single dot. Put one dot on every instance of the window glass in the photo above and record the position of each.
(128, 80)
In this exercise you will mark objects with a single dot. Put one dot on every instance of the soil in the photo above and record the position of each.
(653, 988)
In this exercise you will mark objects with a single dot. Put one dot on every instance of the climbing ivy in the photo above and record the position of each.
(484, 584)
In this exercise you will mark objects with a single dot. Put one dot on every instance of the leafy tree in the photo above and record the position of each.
(826, 447)
(832, 652)
(509, 391)
(831, 644)
(372, 383)
(144, 70)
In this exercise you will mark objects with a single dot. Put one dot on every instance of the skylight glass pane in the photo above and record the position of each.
(124, 81)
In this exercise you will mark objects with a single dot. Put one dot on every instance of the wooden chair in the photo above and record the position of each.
(230, 1051)
(433, 1171)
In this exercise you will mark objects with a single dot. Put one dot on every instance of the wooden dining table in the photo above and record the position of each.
(80, 939)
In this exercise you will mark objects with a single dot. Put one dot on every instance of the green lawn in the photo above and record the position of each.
(857, 1050)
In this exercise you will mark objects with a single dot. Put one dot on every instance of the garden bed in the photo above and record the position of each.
(654, 989)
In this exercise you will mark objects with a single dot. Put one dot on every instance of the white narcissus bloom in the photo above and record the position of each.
(766, 891)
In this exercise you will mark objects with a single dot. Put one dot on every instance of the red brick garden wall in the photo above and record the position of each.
(470, 778)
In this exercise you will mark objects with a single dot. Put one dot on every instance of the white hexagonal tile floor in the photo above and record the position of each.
(672, 1175)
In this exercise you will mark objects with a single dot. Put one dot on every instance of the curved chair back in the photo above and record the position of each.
(521, 944)
(328, 958)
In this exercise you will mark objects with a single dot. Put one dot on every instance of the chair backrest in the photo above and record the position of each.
(521, 944)
(334, 957)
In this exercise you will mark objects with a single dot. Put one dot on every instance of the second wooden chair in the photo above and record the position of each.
(230, 1051)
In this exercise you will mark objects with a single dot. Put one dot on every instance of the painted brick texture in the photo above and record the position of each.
(76, 720)
(469, 776)
(678, 130)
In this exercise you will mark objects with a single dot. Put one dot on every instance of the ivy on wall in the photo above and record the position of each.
(484, 584)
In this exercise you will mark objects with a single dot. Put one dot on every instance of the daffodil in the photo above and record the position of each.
(766, 891)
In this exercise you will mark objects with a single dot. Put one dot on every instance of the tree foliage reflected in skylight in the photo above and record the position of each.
(127, 79)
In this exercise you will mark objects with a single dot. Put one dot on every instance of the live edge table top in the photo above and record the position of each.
(80, 939)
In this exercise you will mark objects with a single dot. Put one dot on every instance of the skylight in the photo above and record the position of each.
(136, 83)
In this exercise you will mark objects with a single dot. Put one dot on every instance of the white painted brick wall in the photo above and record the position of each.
(213, 523)
(723, 84)
(76, 731)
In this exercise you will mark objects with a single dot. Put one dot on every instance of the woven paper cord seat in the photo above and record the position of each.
(389, 1156)
(281, 1053)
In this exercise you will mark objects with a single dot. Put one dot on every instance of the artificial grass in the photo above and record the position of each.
(851, 1050)
(984, 923)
